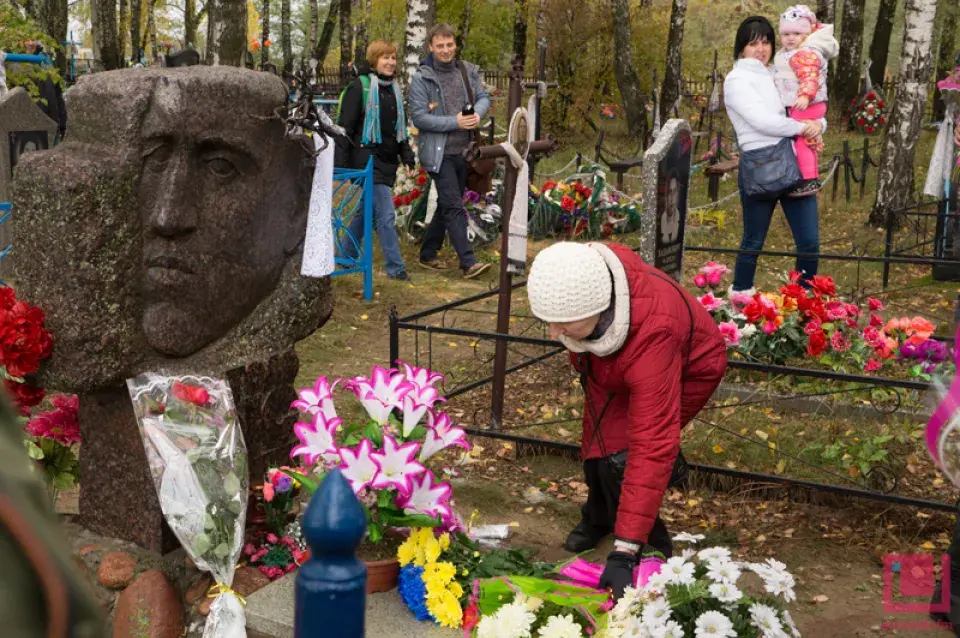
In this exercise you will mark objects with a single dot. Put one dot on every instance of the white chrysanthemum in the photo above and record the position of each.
(688, 553)
(625, 605)
(748, 331)
(788, 620)
(514, 620)
(714, 555)
(781, 585)
(725, 592)
(488, 627)
(684, 537)
(678, 571)
(657, 583)
(776, 565)
(723, 571)
(533, 604)
(561, 627)
(765, 619)
(713, 624)
(671, 629)
(656, 613)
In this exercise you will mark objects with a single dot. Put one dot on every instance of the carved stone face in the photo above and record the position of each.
(219, 203)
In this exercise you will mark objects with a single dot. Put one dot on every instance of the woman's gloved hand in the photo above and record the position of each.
(618, 574)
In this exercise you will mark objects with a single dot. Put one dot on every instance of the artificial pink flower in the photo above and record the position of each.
(427, 497)
(319, 398)
(62, 424)
(249, 549)
(711, 303)
(836, 310)
(268, 492)
(872, 365)
(272, 538)
(812, 326)
(874, 304)
(838, 342)
(873, 337)
(316, 439)
(395, 465)
(440, 435)
(714, 278)
(875, 320)
(853, 310)
(357, 466)
(730, 332)
(714, 268)
(768, 327)
(700, 280)
(740, 298)
(852, 322)
(416, 402)
(421, 377)
(381, 393)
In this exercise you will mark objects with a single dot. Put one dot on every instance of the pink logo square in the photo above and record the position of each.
(917, 580)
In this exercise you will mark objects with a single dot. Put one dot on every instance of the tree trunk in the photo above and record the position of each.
(846, 81)
(673, 76)
(314, 26)
(634, 102)
(105, 37)
(53, 20)
(418, 13)
(464, 27)
(136, 12)
(285, 44)
(541, 27)
(880, 44)
(948, 38)
(226, 32)
(152, 27)
(646, 4)
(122, 32)
(326, 37)
(826, 10)
(346, 39)
(360, 34)
(265, 34)
(190, 23)
(895, 176)
(520, 29)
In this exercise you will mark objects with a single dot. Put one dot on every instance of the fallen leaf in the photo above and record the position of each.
(788, 533)
(563, 432)
(527, 510)
(514, 524)
(763, 436)
(693, 502)
(760, 539)
(819, 599)
(828, 577)
(364, 317)
(717, 449)
(928, 545)
(452, 344)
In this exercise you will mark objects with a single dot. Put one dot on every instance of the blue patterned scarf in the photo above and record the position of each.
(371, 118)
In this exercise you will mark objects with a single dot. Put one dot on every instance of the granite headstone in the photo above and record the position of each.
(666, 182)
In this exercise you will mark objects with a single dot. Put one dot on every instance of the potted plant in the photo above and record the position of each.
(382, 458)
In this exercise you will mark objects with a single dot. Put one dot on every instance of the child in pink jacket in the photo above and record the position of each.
(801, 78)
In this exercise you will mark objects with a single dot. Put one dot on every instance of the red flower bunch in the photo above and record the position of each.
(25, 396)
(867, 113)
(24, 342)
(61, 424)
(194, 394)
(568, 203)
(275, 556)
(582, 190)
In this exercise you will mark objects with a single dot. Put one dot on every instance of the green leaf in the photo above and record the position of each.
(374, 432)
(309, 483)
(374, 533)
(222, 550)
(412, 520)
(33, 450)
(231, 484)
(64, 481)
(418, 433)
(201, 544)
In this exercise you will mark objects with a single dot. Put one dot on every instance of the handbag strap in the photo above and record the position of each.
(469, 89)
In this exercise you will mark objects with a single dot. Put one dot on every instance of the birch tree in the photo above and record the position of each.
(226, 32)
(346, 39)
(463, 28)
(895, 176)
(674, 71)
(846, 80)
(634, 103)
(152, 27)
(326, 37)
(314, 26)
(418, 14)
(826, 10)
(880, 45)
(265, 34)
(105, 37)
(285, 44)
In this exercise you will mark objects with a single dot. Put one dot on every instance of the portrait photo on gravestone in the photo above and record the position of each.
(666, 182)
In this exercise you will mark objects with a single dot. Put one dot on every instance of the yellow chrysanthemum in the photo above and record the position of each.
(444, 541)
(407, 553)
(432, 550)
(446, 609)
(445, 572)
(455, 589)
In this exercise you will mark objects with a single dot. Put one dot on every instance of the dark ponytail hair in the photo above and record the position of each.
(751, 30)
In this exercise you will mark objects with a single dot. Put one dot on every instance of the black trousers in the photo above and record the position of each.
(599, 513)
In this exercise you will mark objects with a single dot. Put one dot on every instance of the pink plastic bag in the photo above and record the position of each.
(586, 574)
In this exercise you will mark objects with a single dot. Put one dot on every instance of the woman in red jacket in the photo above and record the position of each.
(649, 357)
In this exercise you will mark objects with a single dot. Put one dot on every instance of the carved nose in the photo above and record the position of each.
(174, 209)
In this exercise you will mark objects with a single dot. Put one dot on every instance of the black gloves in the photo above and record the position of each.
(618, 574)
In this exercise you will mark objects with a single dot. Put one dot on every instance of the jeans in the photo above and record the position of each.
(801, 213)
(451, 216)
(385, 224)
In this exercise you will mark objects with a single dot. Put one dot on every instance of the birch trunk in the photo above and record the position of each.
(265, 33)
(226, 32)
(314, 26)
(895, 176)
(346, 39)
(191, 20)
(846, 80)
(464, 27)
(418, 13)
(880, 45)
(673, 76)
(826, 10)
(152, 28)
(326, 37)
(634, 103)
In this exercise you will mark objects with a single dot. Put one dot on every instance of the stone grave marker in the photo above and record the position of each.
(166, 234)
(666, 182)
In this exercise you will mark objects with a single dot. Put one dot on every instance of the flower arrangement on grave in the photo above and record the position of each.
(483, 217)
(279, 496)
(274, 555)
(198, 461)
(585, 206)
(569, 200)
(796, 321)
(438, 571)
(868, 114)
(383, 458)
(411, 193)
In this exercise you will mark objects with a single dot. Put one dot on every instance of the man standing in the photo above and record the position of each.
(441, 89)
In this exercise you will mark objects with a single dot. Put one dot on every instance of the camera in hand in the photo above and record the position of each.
(467, 110)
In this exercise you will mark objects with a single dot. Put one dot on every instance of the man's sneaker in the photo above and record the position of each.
(808, 187)
(401, 276)
(475, 270)
(433, 264)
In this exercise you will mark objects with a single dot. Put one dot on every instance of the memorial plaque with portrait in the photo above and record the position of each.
(673, 182)
(24, 141)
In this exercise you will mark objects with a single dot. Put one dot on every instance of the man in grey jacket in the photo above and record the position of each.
(438, 96)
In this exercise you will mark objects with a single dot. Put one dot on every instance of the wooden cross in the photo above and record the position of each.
(538, 147)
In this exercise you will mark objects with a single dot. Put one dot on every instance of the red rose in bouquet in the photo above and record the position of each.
(824, 285)
(421, 179)
(415, 193)
(191, 393)
(568, 204)
(397, 202)
(861, 121)
(817, 344)
(23, 339)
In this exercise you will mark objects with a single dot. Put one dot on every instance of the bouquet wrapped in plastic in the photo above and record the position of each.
(198, 461)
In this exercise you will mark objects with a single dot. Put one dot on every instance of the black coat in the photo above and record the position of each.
(387, 155)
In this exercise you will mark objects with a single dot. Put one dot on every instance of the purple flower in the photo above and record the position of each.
(284, 483)
(933, 351)
(470, 196)
(929, 368)
(909, 350)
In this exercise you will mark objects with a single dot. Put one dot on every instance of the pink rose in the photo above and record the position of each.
(700, 281)
(272, 538)
(812, 327)
(740, 298)
(769, 327)
(836, 310)
(268, 492)
(875, 304)
(872, 365)
(711, 303)
(730, 332)
(714, 278)
(713, 267)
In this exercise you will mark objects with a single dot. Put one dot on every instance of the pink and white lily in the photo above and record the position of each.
(440, 435)
(358, 466)
(319, 398)
(427, 497)
(396, 465)
(381, 393)
(416, 403)
(316, 439)
(421, 377)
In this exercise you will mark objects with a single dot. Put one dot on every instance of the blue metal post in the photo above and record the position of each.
(331, 587)
(368, 230)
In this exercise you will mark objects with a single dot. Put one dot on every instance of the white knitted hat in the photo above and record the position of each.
(568, 282)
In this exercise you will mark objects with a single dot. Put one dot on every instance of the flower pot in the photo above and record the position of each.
(382, 575)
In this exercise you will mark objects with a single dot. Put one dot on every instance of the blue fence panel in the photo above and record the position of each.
(352, 199)
(6, 208)
(330, 592)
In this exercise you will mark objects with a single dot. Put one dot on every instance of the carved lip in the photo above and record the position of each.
(169, 262)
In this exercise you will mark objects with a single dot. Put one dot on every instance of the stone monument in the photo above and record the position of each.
(166, 234)
(666, 182)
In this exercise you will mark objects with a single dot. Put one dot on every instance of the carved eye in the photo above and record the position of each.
(221, 167)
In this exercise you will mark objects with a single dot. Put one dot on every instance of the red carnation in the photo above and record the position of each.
(824, 285)
(191, 393)
(415, 193)
(817, 344)
(871, 95)
(25, 396)
(397, 202)
(567, 203)
(421, 180)
(60, 424)
(7, 298)
(23, 340)
(861, 121)
(869, 129)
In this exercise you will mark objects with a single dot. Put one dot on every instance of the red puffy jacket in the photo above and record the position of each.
(654, 387)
